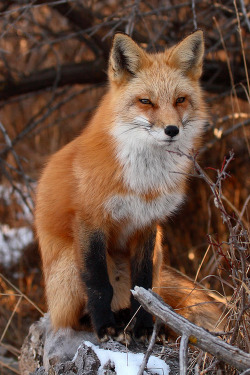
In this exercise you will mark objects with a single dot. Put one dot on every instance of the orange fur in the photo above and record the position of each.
(83, 184)
(189, 299)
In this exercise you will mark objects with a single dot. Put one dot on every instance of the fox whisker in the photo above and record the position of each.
(137, 127)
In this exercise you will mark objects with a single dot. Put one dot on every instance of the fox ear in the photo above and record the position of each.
(188, 55)
(126, 58)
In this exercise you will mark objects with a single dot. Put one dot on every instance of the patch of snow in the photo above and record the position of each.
(12, 241)
(8, 195)
(128, 363)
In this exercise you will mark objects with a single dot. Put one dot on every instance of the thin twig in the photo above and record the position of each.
(9, 367)
(21, 293)
(241, 39)
(183, 354)
(149, 351)
(194, 15)
(11, 317)
(243, 8)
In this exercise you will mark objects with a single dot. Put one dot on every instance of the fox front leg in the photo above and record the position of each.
(142, 275)
(98, 288)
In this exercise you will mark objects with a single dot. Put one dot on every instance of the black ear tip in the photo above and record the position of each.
(199, 32)
(197, 35)
(197, 41)
(120, 33)
(119, 36)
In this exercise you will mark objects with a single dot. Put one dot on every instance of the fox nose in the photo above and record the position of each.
(171, 130)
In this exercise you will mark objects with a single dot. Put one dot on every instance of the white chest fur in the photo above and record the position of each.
(140, 212)
(147, 164)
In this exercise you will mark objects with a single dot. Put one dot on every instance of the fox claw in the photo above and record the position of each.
(144, 334)
(123, 338)
(105, 333)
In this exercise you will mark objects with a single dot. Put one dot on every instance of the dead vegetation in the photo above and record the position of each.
(53, 62)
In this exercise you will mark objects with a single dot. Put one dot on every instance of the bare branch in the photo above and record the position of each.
(197, 335)
(83, 73)
(224, 134)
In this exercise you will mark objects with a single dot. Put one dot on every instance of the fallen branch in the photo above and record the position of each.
(197, 335)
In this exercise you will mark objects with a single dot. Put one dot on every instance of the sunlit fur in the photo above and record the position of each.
(189, 299)
(122, 175)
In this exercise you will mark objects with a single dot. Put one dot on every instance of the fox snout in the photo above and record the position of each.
(171, 130)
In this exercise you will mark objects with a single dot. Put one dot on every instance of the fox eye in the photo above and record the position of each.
(145, 101)
(180, 100)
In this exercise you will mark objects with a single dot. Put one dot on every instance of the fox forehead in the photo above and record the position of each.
(160, 81)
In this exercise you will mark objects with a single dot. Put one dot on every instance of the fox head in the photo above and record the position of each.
(156, 97)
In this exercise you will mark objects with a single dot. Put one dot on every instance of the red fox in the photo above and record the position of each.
(101, 198)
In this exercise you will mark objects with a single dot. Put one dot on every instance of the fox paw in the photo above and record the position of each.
(105, 333)
(123, 337)
(143, 334)
(110, 332)
(161, 338)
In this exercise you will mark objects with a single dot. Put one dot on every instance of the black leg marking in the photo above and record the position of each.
(85, 321)
(99, 289)
(142, 275)
(122, 317)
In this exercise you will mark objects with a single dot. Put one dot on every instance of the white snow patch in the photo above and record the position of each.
(9, 195)
(128, 363)
(12, 241)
